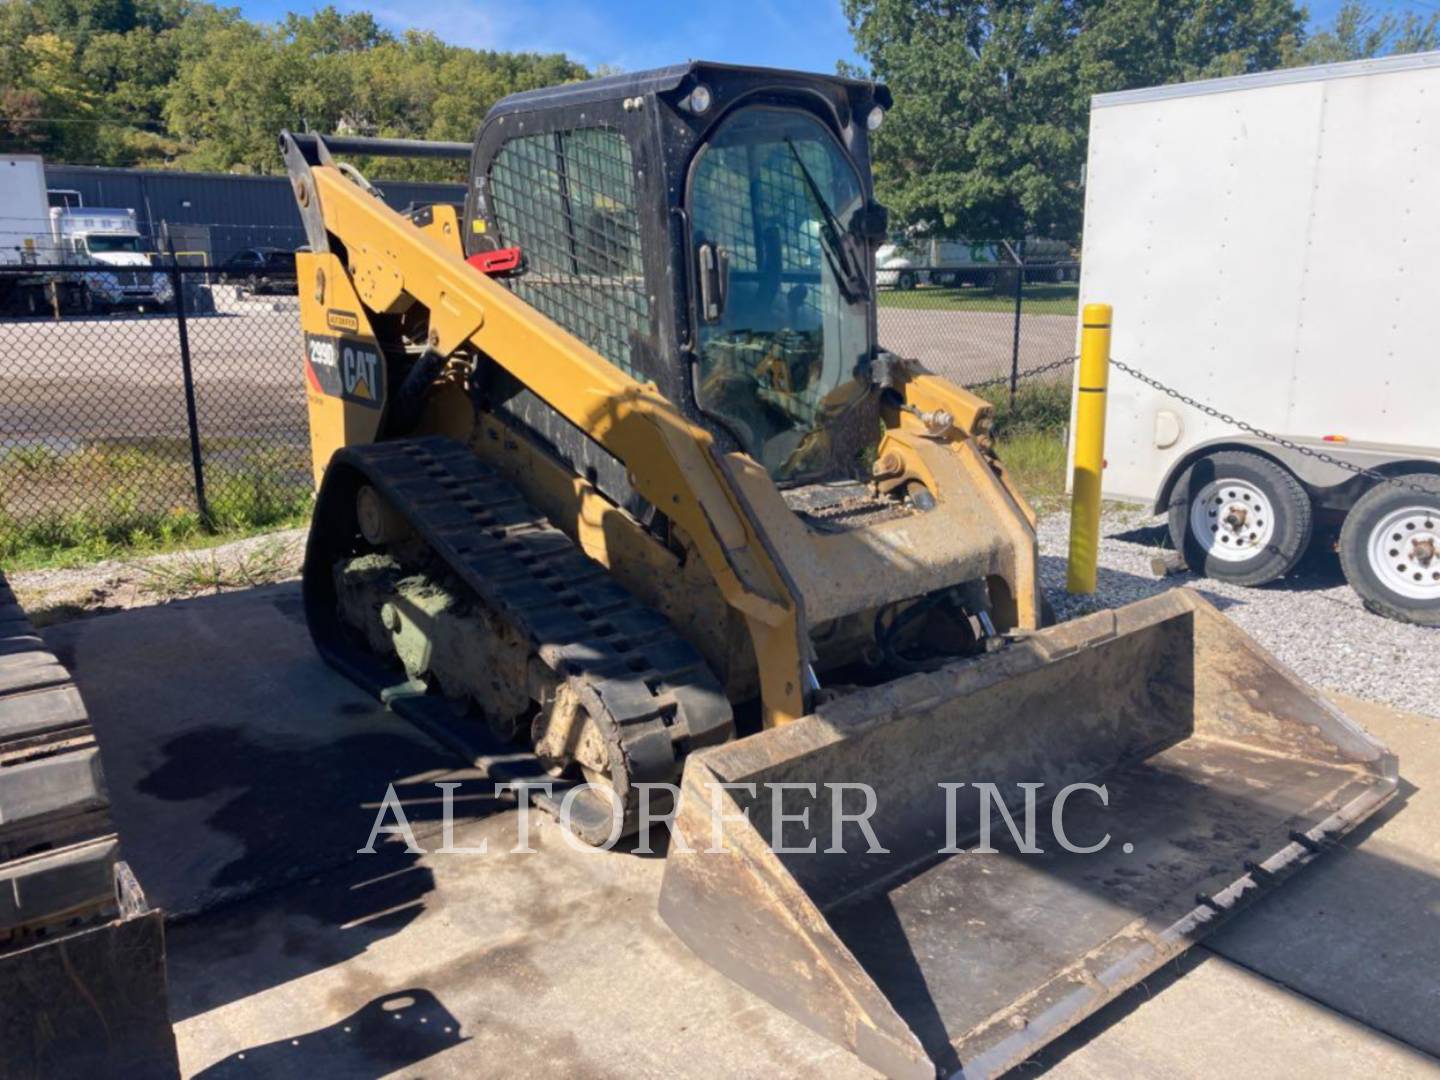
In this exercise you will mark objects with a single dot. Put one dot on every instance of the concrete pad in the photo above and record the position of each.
(1359, 931)
(242, 766)
(235, 759)
(553, 963)
(1205, 1017)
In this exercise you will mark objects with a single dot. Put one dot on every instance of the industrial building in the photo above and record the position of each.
(210, 216)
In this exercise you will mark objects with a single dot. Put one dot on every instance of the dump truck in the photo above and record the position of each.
(612, 473)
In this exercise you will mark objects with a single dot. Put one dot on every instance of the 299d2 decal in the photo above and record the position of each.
(345, 368)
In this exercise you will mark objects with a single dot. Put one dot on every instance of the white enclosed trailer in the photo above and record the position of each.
(24, 210)
(26, 242)
(1271, 246)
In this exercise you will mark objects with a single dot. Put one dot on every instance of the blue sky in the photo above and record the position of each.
(629, 34)
(637, 34)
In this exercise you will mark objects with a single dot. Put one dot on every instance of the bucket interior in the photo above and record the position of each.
(1213, 758)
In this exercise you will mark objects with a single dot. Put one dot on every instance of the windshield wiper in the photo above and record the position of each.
(836, 242)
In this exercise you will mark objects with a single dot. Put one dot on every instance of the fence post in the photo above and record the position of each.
(192, 418)
(1015, 343)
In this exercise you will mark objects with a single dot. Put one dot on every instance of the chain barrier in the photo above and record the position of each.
(1266, 436)
(1039, 369)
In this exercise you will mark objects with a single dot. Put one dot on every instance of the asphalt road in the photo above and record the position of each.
(119, 377)
(973, 346)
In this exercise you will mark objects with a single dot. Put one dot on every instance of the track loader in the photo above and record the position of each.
(611, 466)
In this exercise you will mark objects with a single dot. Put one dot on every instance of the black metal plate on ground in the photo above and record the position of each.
(83, 981)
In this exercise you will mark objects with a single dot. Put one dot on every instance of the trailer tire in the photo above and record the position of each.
(1381, 568)
(1259, 518)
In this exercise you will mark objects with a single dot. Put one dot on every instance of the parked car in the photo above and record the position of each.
(260, 270)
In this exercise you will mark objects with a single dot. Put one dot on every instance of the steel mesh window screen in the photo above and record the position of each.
(567, 200)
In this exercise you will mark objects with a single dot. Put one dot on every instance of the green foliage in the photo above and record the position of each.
(1036, 462)
(191, 85)
(1039, 406)
(1358, 32)
(1029, 435)
(106, 501)
(987, 136)
(1061, 299)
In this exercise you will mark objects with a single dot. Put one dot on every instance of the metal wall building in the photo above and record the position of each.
(210, 216)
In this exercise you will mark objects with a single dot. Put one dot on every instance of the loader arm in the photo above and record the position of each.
(674, 463)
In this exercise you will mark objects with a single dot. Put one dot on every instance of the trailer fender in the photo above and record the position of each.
(1330, 486)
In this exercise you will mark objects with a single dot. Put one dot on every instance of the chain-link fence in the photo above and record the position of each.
(987, 330)
(151, 401)
(147, 402)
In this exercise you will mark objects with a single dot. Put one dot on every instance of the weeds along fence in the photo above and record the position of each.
(142, 405)
(145, 404)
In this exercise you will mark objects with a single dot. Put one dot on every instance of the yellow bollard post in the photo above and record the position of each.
(1089, 448)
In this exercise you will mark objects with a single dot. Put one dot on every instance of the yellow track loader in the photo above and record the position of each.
(611, 466)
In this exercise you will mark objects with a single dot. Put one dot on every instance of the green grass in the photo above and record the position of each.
(1030, 437)
(1036, 462)
(1062, 299)
(61, 509)
(196, 574)
(1038, 406)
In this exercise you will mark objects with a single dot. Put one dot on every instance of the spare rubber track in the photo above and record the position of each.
(82, 956)
(656, 688)
(58, 849)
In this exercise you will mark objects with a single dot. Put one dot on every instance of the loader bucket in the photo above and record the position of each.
(1223, 774)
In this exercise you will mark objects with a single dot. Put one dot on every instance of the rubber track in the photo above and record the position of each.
(655, 687)
(58, 850)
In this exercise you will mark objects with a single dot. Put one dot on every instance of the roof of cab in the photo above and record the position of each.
(657, 81)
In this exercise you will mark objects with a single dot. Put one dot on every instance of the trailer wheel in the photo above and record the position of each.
(1390, 550)
(1240, 517)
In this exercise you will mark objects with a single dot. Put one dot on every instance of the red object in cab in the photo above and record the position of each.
(496, 262)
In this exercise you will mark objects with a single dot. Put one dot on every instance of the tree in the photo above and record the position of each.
(987, 135)
(1358, 33)
(189, 84)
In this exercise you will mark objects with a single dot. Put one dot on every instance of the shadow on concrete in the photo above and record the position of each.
(298, 929)
(288, 811)
(236, 761)
(393, 1032)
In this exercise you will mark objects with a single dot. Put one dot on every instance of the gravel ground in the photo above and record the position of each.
(52, 596)
(1311, 620)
